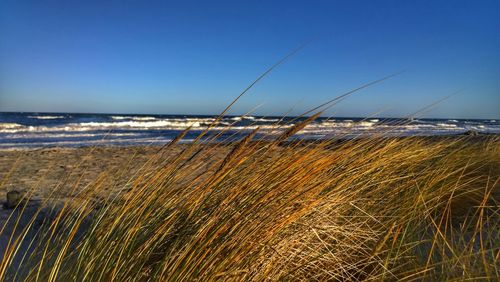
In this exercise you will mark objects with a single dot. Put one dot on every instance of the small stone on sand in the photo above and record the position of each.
(13, 199)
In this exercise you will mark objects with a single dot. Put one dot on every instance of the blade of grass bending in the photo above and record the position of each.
(345, 95)
(295, 51)
(432, 105)
(264, 74)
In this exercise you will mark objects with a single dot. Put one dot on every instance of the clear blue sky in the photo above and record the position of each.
(194, 57)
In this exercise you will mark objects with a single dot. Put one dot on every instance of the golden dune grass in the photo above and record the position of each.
(360, 209)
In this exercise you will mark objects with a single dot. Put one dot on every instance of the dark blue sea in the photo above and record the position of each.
(37, 130)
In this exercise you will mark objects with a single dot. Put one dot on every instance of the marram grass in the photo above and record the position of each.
(370, 208)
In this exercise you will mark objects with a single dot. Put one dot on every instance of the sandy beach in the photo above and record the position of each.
(43, 170)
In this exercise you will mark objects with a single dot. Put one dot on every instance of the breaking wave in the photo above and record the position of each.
(46, 117)
(132, 118)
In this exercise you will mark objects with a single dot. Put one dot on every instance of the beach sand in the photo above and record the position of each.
(43, 170)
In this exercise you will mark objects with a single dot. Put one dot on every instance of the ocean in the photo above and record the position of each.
(39, 130)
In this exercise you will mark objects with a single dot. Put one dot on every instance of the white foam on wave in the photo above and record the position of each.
(266, 119)
(143, 118)
(158, 124)
(132, 118)
(46, 117)
(120, 117)
(10, 125)
(447, 125)
(252, 118)
(365, 123)
(166, 124)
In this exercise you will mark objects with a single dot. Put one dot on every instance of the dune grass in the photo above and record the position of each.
(370, 208)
